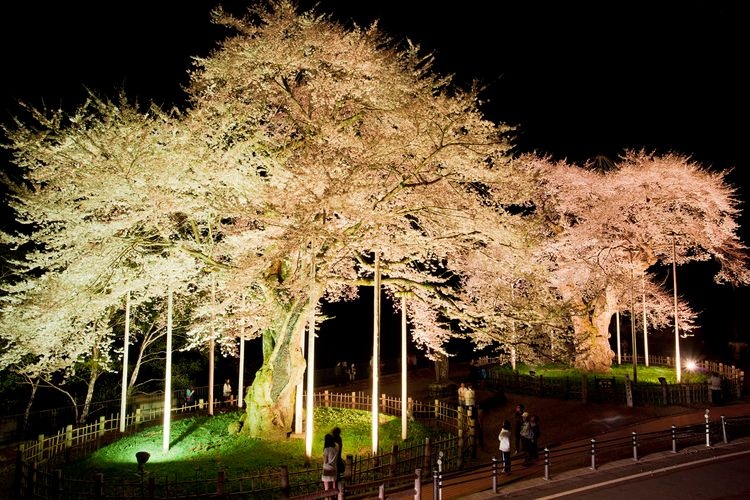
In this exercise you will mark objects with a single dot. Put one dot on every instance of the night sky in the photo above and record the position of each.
(579, 79)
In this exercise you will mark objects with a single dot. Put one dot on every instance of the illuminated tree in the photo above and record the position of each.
(93, 203)
(609, 228)
(332, 139)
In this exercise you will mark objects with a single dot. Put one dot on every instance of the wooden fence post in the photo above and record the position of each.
(55, 492)
(394, 460)
(285, 485)
(220, 477)
(137, 417)
(31, 480)
(584, 388)
(349, 468)
(427, 458)
(20, 470)
(101, 425)
(460, 457)
(98, 486)
(472, 434)
(354, 400)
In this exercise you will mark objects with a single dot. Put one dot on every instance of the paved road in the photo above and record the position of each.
(706, 479)
(716, 473)
(661, 470)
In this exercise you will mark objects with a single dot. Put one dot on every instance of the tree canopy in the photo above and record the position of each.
(306, 150)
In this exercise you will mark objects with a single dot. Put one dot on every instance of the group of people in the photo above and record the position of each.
(344, 372)
(226, 393)
(521, 436)
(466, 395)
(333, 463)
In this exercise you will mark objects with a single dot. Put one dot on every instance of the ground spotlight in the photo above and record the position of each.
(690, 365)
(142, 457)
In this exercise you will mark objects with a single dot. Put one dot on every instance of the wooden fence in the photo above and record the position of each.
(611, 390)
(37, 475)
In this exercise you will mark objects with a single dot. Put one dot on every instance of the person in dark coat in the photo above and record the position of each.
(517, 424)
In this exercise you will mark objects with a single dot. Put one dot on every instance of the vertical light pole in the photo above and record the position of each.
(241, 377)
(375, 353)
(211, 350)
(619, 353)
(645, 329)
(677, 361)
(633, 338)
(168, 377)
(310, 361)
(513, 353)
(403, 366)
(126, 345)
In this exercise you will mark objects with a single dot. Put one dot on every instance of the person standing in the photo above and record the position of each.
(534, 434)
(340, 464)
(344, 375)
(518, 423)
(716, 395)
(189, 393)
(469, 397)
(526, 437)
(462, 394)
(227, 392)
(352, 373)
(337, 370)
(330, 459)
(504, 438)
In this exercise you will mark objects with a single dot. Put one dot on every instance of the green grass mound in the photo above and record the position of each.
(201, 446)
(646, 374)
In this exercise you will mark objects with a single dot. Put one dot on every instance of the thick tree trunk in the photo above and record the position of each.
(270, 399)
(591, 327)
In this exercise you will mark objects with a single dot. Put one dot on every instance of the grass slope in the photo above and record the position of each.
(202, 445)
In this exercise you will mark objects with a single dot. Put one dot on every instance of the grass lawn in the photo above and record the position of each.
(202, 445)
(646, 374)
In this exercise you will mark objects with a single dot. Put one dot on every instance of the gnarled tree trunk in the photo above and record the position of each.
(270, 399)
(591, 326)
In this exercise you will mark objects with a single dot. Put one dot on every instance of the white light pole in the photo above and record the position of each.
(403, 367)
(126, 344)
(677, 361)
(310, 359)
(168, 377)
(376, 354)
(619, 353)
(645, 329)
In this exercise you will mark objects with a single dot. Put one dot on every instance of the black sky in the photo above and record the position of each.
(579, 79)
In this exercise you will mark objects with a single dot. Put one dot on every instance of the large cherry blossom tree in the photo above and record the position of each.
(347, 147)
(607, 229)
(93, 208)
(304, 142)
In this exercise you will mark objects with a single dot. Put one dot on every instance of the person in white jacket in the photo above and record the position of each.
(504, 438)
